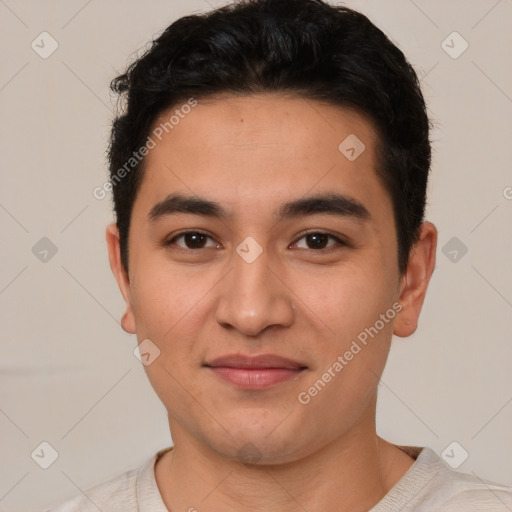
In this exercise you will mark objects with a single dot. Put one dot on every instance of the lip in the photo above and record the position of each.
(255, 372)
(262, 361)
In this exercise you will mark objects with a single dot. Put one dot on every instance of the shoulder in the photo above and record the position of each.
(115, 495)
(431, 486)
(454, 491)
(469, 493)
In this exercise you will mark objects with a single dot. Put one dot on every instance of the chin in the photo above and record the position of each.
(265, 445)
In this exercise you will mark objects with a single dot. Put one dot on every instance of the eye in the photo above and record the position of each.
(318, 241)
(192, 240)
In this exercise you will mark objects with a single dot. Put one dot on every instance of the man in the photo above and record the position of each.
(269, 175)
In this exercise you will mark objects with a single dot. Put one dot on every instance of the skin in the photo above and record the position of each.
(251, 154)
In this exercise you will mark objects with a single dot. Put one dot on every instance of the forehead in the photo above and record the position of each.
(267, 120)
(248, 149)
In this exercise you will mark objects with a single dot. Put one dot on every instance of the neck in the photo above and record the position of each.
(352, 472)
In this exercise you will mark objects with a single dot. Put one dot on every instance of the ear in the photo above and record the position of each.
(415, 281)
(114, 256)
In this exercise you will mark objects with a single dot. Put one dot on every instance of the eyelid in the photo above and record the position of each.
(170, 240)
(340, 240)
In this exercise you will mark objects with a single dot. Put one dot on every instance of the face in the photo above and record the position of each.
(254, 234)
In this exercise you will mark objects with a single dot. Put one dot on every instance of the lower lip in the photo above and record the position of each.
(255, 378)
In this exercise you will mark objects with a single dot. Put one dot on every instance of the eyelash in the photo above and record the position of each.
(340, 242)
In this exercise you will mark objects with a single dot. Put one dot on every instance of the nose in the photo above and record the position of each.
(253, 297)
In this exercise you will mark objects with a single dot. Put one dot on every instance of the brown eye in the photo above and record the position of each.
(318, 241)
(191, 240)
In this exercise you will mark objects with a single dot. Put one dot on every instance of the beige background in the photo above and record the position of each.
(68, 375)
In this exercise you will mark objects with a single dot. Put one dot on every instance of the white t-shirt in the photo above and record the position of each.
(429, 485)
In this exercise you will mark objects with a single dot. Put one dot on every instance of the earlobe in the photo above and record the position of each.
(128, 321)
(114, 255)
(415, 280)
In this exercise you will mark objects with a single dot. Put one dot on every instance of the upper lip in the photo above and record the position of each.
(253, 362)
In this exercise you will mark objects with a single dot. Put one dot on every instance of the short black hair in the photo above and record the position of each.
(311, 48)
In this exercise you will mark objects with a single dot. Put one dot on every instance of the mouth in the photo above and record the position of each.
(255, 372)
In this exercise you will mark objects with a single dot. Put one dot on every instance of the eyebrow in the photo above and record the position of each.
(330, 204)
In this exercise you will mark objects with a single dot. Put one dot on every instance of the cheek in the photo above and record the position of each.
(344, 300)
(168, 309)
(165, 298)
